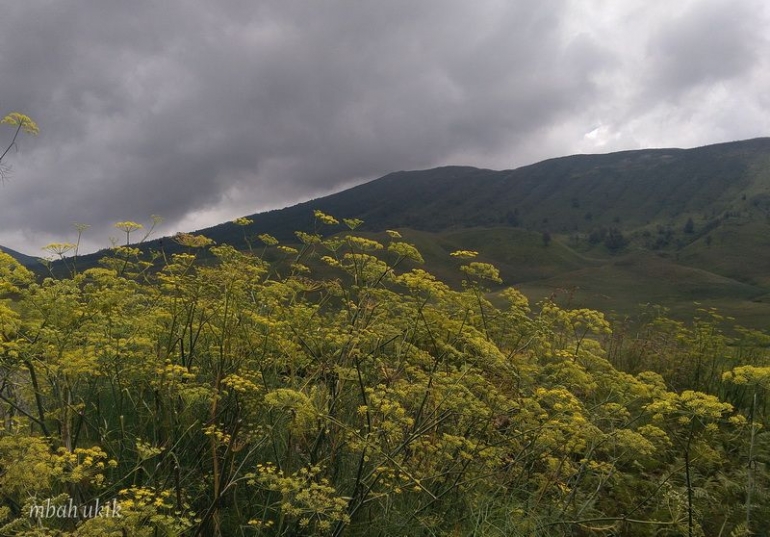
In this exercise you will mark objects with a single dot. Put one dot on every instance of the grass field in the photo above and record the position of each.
(613, 284)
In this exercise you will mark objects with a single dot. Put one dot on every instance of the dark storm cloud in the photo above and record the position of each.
(201, 111)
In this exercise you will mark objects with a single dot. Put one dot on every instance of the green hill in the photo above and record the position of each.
(631, 189)
(669, 226)
(26, 260)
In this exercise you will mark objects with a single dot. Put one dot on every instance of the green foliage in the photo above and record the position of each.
(341, 390)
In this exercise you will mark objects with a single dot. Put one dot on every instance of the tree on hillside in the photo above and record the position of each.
(22, 123)
(615, 240)
(512, 218)
(689, 227)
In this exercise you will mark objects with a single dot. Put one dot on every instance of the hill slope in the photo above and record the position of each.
(699, 217)
(26, 260)
(564, 195)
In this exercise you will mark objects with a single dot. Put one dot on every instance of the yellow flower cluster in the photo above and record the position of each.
(464, 254)
(240, 384)
(127, 226)
(192, 241)
(406, 250)
(83, 464)
(243, 221)
(482, 271)
(26, 123)
(305, 496)
(267, 239)
(363, 244)
(325, 218)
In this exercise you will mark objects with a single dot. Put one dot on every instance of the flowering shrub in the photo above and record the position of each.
(343, 390)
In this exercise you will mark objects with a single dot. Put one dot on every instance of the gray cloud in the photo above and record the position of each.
(713, 41)
(201, 112)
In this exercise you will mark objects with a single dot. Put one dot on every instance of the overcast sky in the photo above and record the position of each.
(203, 111)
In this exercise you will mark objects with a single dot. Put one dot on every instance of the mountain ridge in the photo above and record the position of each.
(694, 223)
(380, 198)
(26, 260)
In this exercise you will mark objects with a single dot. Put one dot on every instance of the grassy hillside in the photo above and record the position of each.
(565, 195)
(667, 226)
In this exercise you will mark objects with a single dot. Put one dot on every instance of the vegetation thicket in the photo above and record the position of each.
(242, 397)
